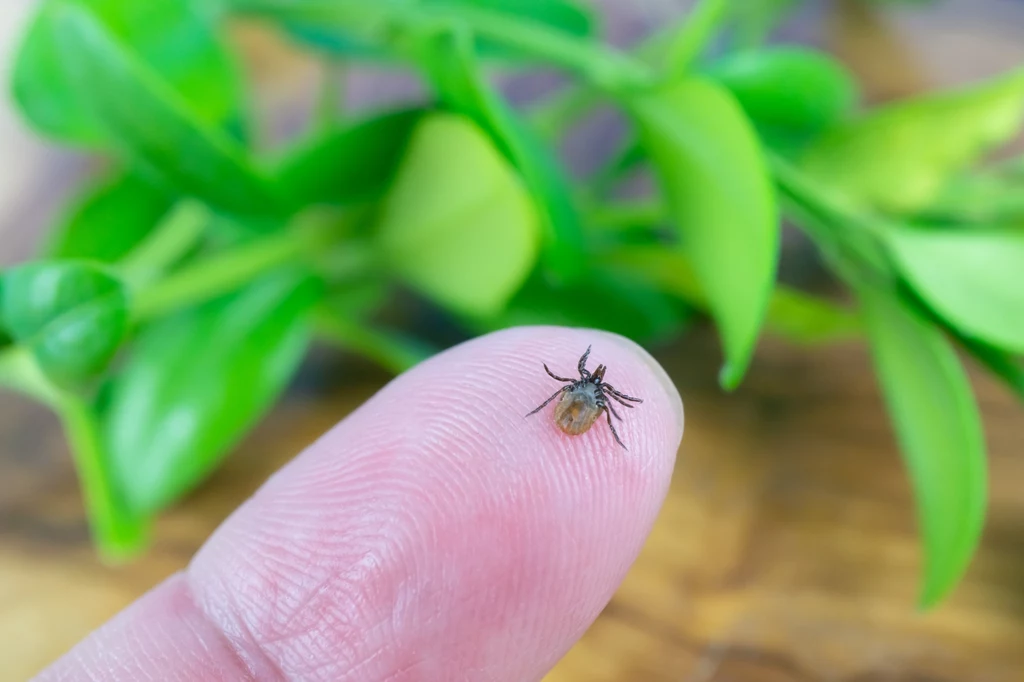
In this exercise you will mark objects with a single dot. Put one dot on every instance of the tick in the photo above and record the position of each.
(584, 399)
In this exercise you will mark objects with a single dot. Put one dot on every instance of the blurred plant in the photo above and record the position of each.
(179, 295)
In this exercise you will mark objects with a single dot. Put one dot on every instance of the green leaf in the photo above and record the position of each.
(899, 157)
(792, 314)
(71, 315)
(939, 430)
(153, 125)
(110, 219)
(172, 37)
(453, 71)
(973, 279)
(197, 381)
(457, 225)
(788, 90)
(715, 180)
(349, 165)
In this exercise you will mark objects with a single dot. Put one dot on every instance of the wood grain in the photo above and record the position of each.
(787, 550)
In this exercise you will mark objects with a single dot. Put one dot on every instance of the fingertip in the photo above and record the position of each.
(651, 431)
(435, 529)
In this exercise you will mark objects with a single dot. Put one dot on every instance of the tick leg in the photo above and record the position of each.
(611, 389)
(612, 427)
(583, 364)
(611, 409)
(620, 401)
(555, 376)
(557, 393)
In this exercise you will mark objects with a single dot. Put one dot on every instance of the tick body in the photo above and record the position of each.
(581, 401)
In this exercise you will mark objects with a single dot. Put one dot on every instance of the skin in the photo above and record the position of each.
(433, 534)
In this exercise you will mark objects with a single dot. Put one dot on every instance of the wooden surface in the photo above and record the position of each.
(786, 551)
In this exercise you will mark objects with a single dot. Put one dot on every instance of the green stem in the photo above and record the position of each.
(844, 236)
(171, 240)
(118, 533)
(624, 215)
(391, 351)
(689, 42)
(682, 40)
(20, 372)
(852, 242)
(604, 68)
(558, 112)
(792, 314)
(223, 273)
(603, 179)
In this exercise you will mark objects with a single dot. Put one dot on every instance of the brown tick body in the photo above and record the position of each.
(583, 400)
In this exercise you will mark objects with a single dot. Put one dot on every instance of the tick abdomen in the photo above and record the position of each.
(581, 402)
(577, 410)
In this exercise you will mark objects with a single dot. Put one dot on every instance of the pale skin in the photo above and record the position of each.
(422, 538)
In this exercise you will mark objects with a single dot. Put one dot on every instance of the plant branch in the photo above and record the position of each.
(674, 46)
(851, 241)
(225, 272)
(605, 68)
(683, 47)
(559, 111)
(20, 372)
(392, 352)
(171, 240)
(118, 532)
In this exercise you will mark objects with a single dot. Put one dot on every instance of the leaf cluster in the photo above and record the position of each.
(178, 295)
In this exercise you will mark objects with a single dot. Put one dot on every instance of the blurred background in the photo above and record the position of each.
(787, 550)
